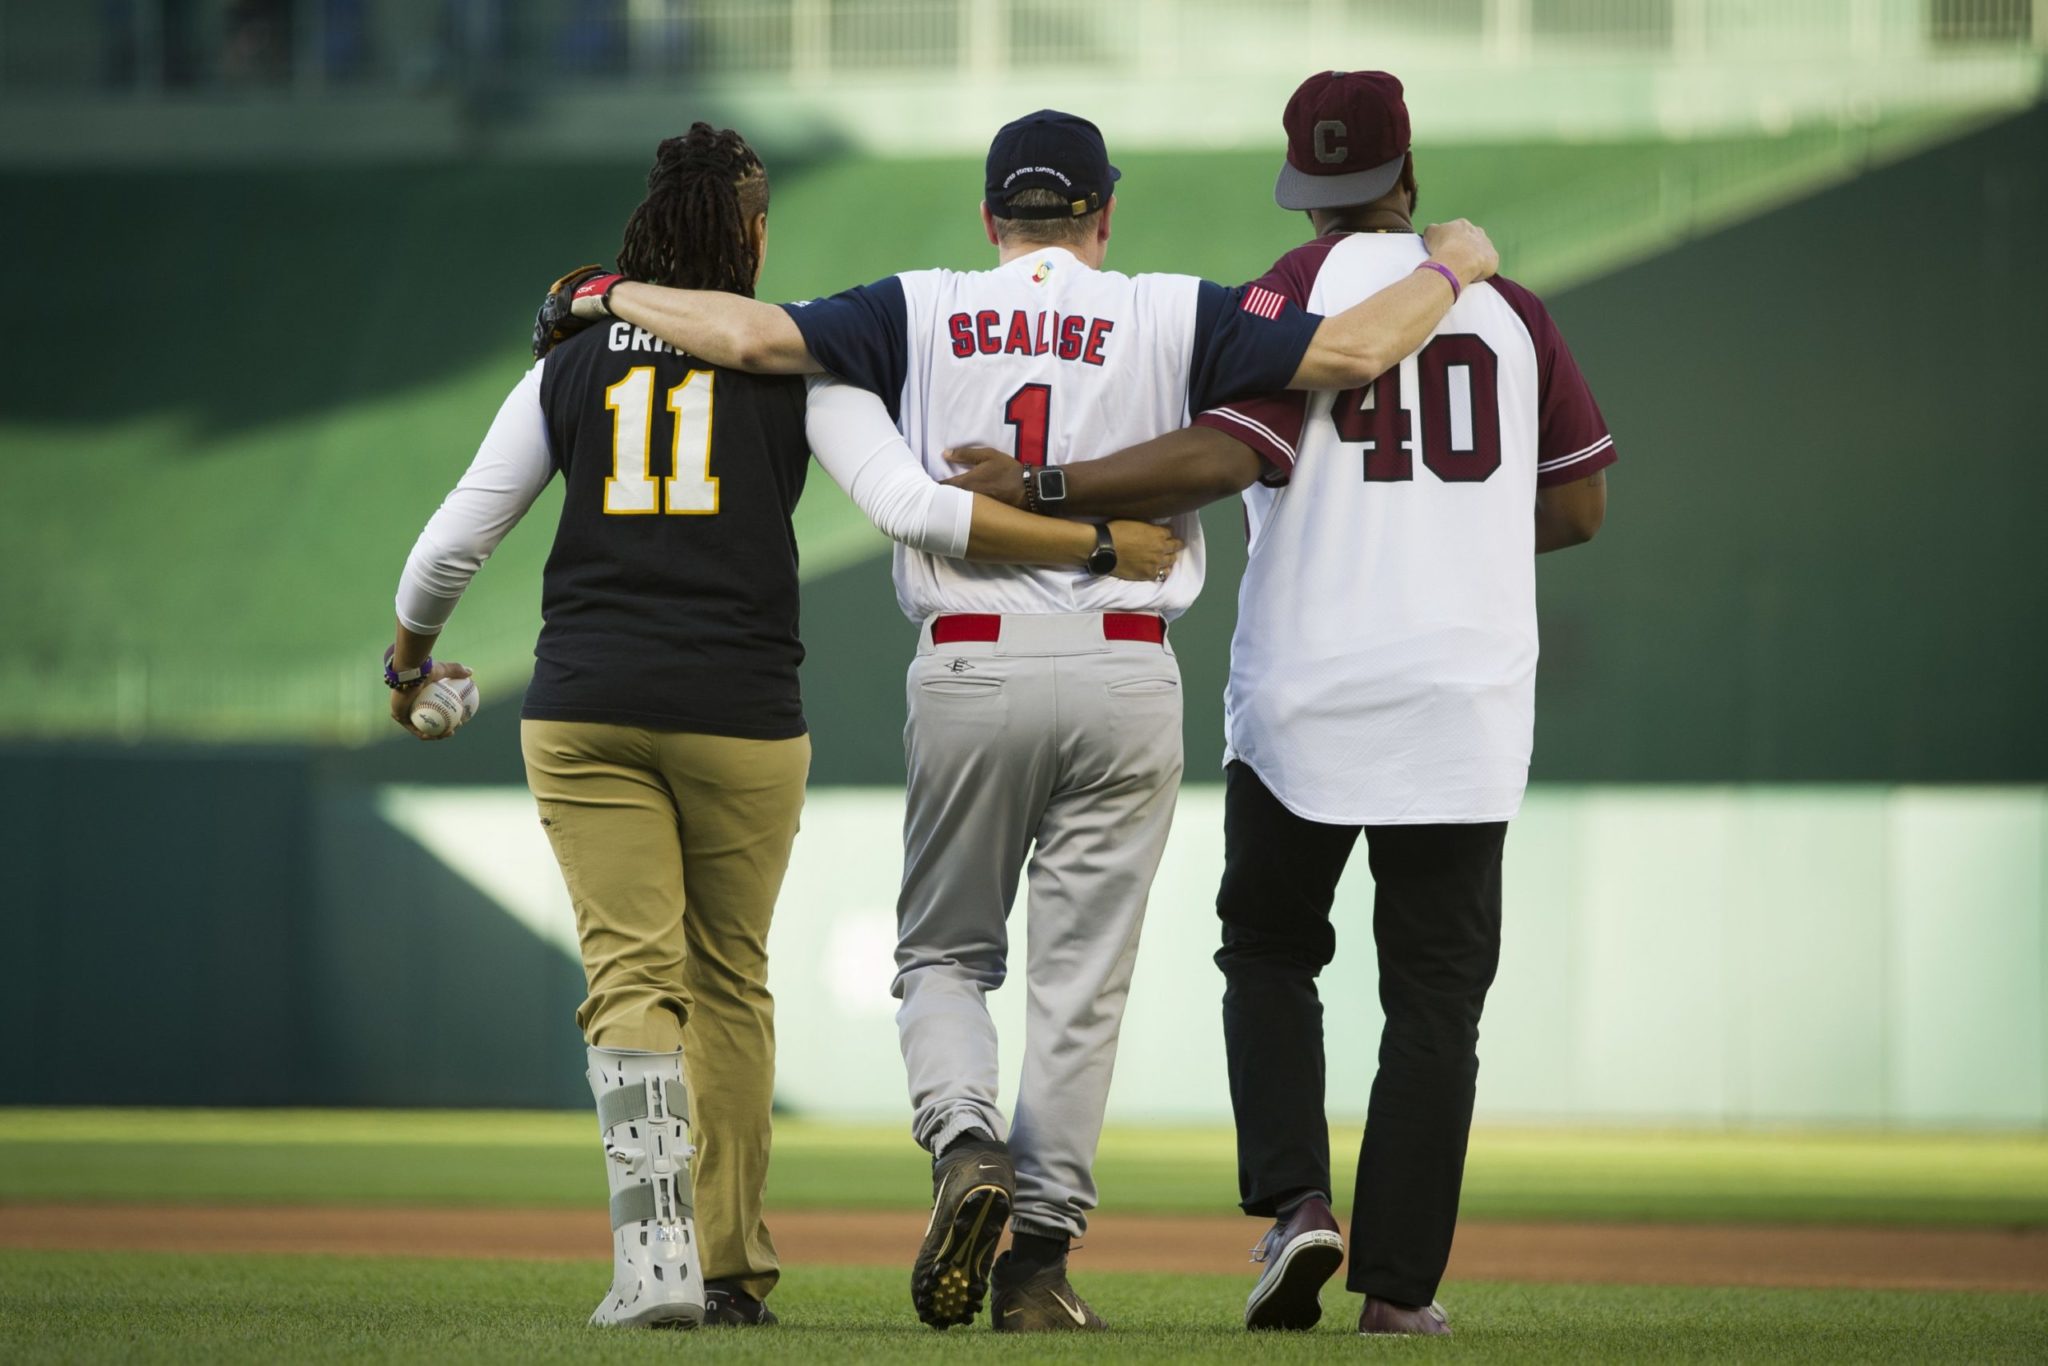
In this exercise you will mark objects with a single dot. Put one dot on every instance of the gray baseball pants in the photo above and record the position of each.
(1056, 744)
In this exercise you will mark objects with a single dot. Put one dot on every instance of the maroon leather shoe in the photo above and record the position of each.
(1384, 1316)
(1300, 1252)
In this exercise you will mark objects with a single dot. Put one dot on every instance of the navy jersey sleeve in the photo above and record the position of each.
(861, 335)
(1248, 341)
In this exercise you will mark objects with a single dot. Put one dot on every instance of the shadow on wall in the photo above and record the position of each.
(304, 267)
(207, 927)
(308, 289)
(1823, 559)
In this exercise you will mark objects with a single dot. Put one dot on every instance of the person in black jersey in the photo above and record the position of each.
(663, 730)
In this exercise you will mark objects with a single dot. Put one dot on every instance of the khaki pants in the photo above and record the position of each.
(674, 846)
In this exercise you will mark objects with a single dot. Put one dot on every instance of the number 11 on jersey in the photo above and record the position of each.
(689, 490)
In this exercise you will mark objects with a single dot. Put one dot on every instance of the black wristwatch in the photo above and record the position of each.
(1045, 488)
(1103, 561)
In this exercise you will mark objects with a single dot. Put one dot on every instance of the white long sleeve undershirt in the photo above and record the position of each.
(849, 430)
(858, 445)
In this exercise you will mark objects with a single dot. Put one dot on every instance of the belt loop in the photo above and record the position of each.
(976, 626)
(1134, 626)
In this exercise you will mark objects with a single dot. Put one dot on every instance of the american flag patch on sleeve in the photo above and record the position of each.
(1262, 302)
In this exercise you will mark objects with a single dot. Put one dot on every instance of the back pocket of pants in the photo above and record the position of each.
(960, 687)
(1144, 687)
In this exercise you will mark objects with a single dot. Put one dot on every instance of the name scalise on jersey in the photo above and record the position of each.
(1073, 337)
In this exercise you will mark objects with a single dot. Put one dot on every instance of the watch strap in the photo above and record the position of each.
(1103, 560)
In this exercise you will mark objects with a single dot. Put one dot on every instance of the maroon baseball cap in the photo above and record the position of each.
(1347, 135)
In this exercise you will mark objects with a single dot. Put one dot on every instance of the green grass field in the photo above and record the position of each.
(545, 1159)
(141, 1307)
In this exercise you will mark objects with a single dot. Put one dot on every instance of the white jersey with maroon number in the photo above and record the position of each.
(1384, 666)
(1054, 362)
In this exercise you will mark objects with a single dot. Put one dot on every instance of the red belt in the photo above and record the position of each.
(987, 626)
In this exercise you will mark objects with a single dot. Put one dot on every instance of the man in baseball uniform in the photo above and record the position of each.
(1044, 706)
(1382, 679)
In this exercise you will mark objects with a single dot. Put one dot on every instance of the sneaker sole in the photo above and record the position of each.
(951, 1276)
(1293, 1301)
(669, 1316)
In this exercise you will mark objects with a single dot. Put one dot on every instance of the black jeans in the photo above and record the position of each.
(1436, 920)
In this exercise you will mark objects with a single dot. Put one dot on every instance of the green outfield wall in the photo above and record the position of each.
(1821, 563)
(1784, 863)
(1823, 559)
(258, 928)
(234, 927)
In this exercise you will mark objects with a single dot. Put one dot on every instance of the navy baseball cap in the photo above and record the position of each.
(1049, 150)
(1347, 135)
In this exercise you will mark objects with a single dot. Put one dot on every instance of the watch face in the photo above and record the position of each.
(1103, 561)
(1052, 484)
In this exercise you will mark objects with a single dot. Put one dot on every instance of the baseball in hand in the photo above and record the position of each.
(443, 705)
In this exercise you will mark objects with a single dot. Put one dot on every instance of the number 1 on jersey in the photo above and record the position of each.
(689, 490)
(1030, 412)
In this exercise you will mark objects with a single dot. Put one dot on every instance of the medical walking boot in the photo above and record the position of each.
(643, 1111)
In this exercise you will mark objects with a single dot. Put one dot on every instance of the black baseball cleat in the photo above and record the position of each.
(1040, 1301)
(1299, 1253)
(728, 1306)
(972, 1186)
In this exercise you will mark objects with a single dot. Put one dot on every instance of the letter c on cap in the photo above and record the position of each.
(1326, 153)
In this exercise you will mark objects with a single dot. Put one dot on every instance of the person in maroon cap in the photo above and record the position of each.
(1382, 679)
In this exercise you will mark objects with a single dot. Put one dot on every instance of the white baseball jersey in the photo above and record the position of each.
(1383, 671)
(1056, 362)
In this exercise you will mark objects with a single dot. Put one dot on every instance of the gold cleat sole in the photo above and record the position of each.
(951, 1276)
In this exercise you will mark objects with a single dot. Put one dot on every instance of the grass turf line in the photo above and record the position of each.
(551, 1159)
(155, 1308)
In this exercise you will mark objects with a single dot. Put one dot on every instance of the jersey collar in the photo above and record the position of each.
(1044, 262)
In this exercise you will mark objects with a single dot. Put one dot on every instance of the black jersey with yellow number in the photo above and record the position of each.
(670, 598)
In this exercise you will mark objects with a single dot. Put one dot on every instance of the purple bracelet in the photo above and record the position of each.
(395, 680)
(1449, 274)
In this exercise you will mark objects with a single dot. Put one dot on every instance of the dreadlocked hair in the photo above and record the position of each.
(691, 230)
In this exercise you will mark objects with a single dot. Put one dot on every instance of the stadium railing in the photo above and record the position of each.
(158, 47)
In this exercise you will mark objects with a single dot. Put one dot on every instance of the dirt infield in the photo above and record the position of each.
(1636, 1254)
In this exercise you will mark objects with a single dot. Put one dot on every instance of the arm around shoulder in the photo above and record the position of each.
(1368, 339)
(725, 329)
